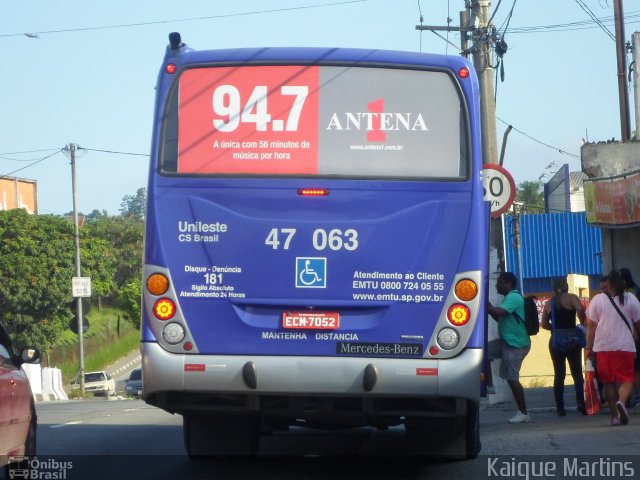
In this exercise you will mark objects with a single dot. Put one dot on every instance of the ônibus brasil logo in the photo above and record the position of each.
(377, 122)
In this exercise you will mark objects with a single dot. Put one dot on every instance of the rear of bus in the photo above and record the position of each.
(316, 246)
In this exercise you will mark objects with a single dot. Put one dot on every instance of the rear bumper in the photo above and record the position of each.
(99, 391)
(180, 383)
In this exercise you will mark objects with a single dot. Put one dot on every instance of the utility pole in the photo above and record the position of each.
(623, 92)
(474, 24)
(483, 63)
(636, 75)
(71, 148)
(517, 211)
(464, 35)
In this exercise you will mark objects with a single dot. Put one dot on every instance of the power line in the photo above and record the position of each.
(596, 19)
(505, 24)
(559, 150)
(114, 152)
(571, 26)
(31, 164)
(57, 150)
(4, 157)
(495, 10)
(29, 151)
(19, 159)
(159, 22)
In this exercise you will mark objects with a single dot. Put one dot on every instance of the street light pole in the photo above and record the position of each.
(79, 314)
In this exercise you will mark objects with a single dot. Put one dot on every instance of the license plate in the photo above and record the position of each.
(311, 320)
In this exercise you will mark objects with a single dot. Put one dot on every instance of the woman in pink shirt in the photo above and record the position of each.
(613, 323)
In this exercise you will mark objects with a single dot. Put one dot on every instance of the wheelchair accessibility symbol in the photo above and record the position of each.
(311, 272)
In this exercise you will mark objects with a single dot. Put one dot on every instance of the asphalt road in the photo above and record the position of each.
(125, 439)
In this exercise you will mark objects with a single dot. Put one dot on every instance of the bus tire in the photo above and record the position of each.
(472, 431)
(445, 438)
(207, 436)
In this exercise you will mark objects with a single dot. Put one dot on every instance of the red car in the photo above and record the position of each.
(18, 420)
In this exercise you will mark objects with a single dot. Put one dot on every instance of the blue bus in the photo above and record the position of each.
(315, 246)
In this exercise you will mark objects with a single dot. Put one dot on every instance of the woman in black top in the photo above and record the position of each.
(567, 307)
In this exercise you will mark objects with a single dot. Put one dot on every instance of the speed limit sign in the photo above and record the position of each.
(499, 188)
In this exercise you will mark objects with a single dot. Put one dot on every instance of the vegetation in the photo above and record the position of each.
(134, 205)
(37, 263)
(531, 196)
(108, 338)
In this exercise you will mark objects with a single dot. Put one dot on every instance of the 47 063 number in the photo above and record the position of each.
(334, 239)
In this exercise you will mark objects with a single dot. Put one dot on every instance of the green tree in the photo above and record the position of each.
(96, 214)
(36, 267)
(134, 205)
(124, 236)
(131, 300)
(37, 263)
(530, 194)
(122, 260)
(99, 262)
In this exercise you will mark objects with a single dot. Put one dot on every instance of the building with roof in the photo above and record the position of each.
(553, 245)
(18, 193)
(612, 200)
(557, 243)
(564, 192)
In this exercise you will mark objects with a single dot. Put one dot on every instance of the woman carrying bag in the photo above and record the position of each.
(612, 327)
(567, 339)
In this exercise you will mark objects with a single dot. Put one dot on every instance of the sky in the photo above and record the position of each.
(84, 72)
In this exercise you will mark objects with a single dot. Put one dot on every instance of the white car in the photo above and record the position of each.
(98, 383)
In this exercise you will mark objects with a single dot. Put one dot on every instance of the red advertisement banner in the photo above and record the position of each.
(615, 201)
(248, 120)
(603, 203)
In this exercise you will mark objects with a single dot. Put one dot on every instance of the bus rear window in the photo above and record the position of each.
(353, 122)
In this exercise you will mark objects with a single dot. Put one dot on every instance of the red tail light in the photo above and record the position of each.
(458, 314)
(313, 192)
(164, 309)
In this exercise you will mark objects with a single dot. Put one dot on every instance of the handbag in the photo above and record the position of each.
(564, 340)
(591, 395)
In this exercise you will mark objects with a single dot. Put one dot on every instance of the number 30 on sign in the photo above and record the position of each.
(499, 188)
